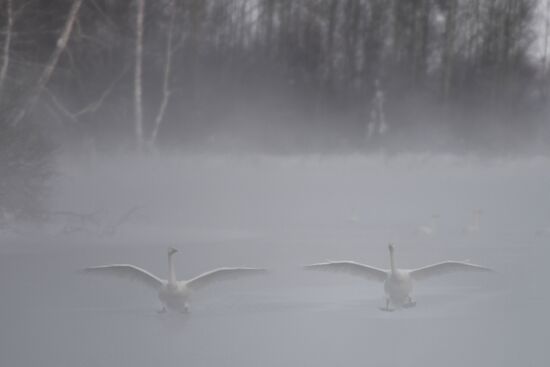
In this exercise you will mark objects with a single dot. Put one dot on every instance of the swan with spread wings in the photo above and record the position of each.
(398, 283)
(174, 294)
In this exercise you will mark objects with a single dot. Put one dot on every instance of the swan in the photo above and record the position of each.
(543, 231)
(173, 294)
(474, 226)
(429, 229)
(398, 283)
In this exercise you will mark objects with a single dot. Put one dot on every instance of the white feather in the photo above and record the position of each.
(445, 267)
(128, 271)
(220, 274)
(351, 267)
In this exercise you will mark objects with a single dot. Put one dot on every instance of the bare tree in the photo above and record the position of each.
(166, 91)
(448, 46)
(91, 107)
(52, 62)
(138, 75)
(468, 52)
(546, 36)
(7, 44)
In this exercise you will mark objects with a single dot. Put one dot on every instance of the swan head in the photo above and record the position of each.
(391, 247)
(172, 251)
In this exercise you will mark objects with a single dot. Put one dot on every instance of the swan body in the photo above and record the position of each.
(543, 231)
(474, 226)
(173, 294)
(175, 297)
(429, 229)
(398, 283)
(426, 230)
(398, 287)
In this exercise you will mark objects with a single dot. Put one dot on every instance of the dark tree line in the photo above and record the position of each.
(209, 71)
(273, 75)
(277, 76)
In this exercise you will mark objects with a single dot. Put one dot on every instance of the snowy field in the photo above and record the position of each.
(281, 213)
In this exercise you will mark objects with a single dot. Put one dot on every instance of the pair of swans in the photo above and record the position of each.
(174, 294)
(472, 227)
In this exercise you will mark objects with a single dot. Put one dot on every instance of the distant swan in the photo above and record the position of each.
(429, 229)
(475, 225)
(173, 294)
(543, 231)
(398, 283)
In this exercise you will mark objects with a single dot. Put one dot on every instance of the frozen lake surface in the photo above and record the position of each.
(281, 213)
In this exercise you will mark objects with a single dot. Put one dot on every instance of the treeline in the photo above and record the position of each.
(277, 75)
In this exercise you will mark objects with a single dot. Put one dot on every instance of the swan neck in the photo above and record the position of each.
(392, 262)
(171, 269)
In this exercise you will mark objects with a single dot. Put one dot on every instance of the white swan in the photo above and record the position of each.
(474, 226)
(398, 283)
(543, 231)
(429, 229)
(173, 294)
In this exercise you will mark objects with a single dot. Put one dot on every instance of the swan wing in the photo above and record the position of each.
(445, 267)
(351, 267)
(127, 271)
(216, 275)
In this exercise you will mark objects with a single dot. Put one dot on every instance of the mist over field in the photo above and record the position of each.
(181, 148)
(281, 213)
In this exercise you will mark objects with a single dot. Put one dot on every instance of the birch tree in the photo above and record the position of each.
(48, 70)
(7, 45)
(545, 38)
(138, 75)
(167, 72)
(448, 47)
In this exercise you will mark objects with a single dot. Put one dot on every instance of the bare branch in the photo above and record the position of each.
(52, 63)
(91, 107)
(60, 107)
(94, 106)
(113, 228)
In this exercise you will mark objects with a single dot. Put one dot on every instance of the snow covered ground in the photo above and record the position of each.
(281, 213)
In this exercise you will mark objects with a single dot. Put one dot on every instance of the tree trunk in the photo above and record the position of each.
(166, 92)
(545, 39)
(422, 53)
(331, 30)
(52, 63)
(138, 75)
(448, 48)
(269, 8)
(7, 44)
(545, 81)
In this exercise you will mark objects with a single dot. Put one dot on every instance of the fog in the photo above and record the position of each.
(281, 213)
(274, 134)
